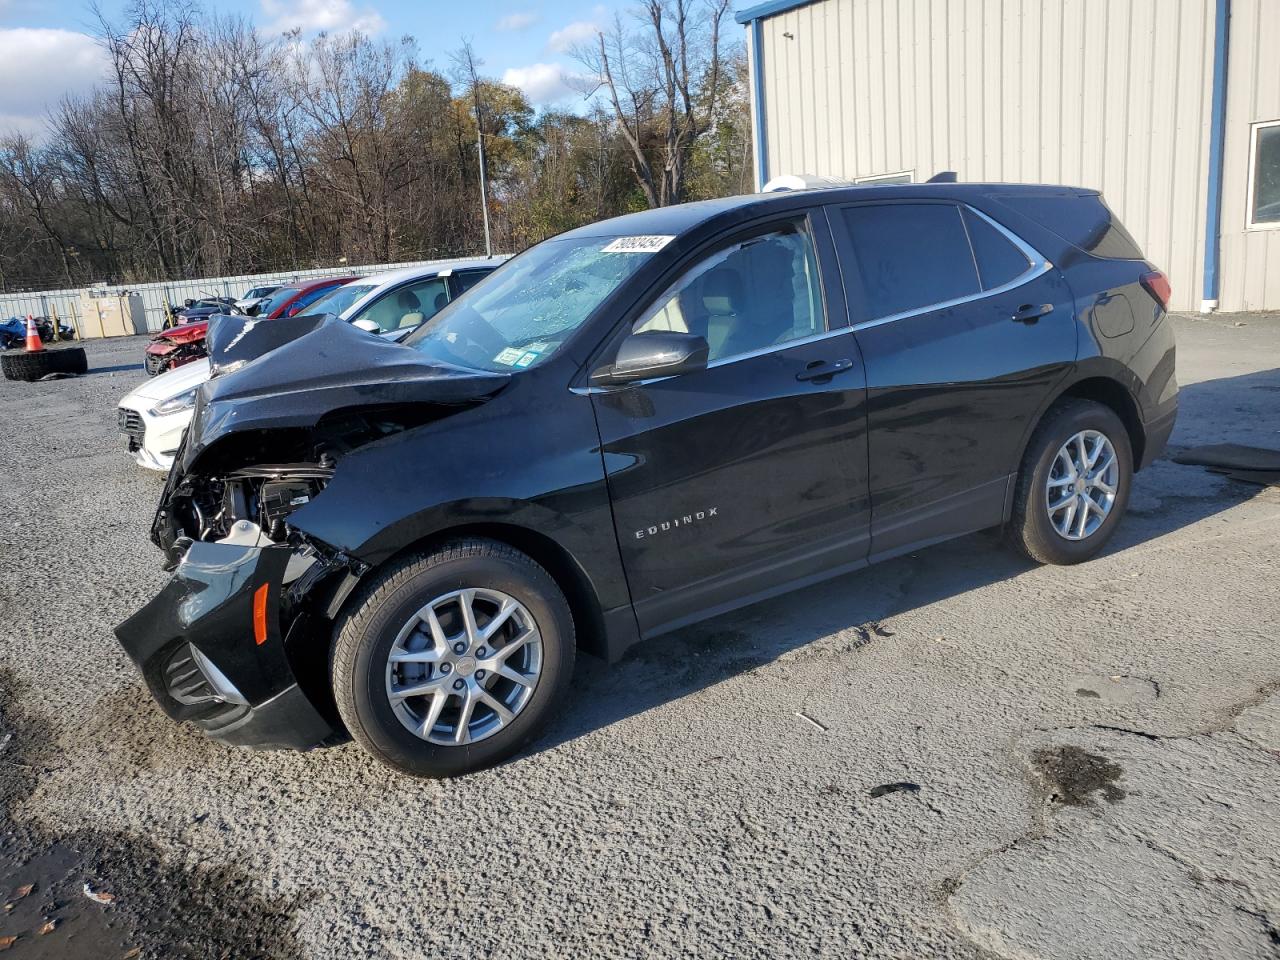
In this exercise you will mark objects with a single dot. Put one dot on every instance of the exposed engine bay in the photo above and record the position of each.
(266, 438)
(251, 503)
(238, 498)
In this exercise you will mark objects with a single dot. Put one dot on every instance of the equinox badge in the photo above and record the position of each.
(684, 521)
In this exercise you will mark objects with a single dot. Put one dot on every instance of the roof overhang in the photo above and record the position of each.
(768, 9)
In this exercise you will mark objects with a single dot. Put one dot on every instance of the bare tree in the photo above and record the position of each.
(209, 148)
(652, 77)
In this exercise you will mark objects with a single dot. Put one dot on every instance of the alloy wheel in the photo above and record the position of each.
(464, 666)
(1082, 485)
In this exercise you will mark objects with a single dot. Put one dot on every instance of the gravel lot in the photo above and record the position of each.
(1086, 757)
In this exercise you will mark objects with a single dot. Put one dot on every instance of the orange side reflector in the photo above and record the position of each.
(260, 615)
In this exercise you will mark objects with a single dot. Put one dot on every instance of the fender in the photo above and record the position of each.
(400, 490)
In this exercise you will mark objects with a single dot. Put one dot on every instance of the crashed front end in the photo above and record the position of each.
(212, 648)
(238, 641)
(175, 347)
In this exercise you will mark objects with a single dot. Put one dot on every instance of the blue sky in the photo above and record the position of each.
(46, 49)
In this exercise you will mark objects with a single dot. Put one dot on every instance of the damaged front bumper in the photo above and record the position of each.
(211, 649)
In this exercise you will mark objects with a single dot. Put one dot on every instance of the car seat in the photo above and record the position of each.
(770, 317)
(710, 306)
(411, 309)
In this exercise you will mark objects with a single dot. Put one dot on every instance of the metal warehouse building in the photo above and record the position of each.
(1170, 107)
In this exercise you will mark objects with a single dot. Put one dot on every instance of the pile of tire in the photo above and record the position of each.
(28, 367)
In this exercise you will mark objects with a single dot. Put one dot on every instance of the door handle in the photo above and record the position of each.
(824, 369)
(1030, 312)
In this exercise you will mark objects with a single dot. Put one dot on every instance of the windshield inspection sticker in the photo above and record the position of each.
(527, 359)
(509, 356)
(637, 244)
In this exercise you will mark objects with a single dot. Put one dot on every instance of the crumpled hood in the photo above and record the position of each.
(328, 366)
(235, 340)
(183, 333)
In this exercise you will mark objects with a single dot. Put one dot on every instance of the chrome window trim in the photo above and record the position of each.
(763, 351)
(1038, 266)
(777, 347)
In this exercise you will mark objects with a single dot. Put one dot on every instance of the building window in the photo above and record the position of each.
(1264, 175)
(902, 176)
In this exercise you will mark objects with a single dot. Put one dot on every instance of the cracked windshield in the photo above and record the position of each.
(520, 315)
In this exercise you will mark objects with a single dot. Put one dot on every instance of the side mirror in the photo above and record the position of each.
(660, 353)
(367, 325)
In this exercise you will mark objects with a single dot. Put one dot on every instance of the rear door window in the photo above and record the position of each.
(908, 256)
(999, 261)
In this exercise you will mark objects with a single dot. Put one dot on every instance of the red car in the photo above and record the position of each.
(182, 344)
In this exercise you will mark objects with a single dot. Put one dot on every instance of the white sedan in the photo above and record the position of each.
(154, 415)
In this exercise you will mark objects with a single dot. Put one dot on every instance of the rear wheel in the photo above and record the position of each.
(1074, 484)
(453, 660)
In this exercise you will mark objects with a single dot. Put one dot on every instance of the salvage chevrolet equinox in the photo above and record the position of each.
(631, 427)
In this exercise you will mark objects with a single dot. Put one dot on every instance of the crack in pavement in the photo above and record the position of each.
(1078, 861)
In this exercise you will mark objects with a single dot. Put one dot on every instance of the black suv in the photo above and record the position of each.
(634, 426)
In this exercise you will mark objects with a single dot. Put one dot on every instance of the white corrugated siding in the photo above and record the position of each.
(1112, 94)
(1250, 271)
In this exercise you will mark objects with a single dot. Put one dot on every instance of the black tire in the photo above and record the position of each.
(32, 366)
(1030, 528)
(366, 631)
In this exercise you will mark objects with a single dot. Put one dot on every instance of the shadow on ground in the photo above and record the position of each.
(1167, 497)
(117, 368)
(197, 912)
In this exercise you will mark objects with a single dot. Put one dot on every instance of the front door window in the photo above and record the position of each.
(755, 294)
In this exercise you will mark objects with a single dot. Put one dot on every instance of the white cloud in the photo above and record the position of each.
(542, 83)
(516, 21)
(38, 67)
(567, 37)
(313, 16)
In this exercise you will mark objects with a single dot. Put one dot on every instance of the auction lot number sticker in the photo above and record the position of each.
(651, 244)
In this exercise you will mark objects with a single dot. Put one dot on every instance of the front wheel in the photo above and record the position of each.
(1074, 484)
(453, 660)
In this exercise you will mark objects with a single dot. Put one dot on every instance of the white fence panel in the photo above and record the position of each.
(67, 302)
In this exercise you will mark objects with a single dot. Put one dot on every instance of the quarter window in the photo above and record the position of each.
(462, 282)
(755, 294)
(999, 261)
(910, 255)
(1264, 194)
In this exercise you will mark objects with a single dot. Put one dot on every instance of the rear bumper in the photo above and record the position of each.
(1158, 430)
(196, 648)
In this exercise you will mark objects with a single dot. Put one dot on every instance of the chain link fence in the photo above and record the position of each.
(66, 302)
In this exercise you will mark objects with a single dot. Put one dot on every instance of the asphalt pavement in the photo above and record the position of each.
(953, 754)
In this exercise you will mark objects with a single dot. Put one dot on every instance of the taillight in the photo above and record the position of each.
(1157, 284)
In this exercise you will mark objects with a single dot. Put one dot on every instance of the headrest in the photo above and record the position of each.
(721, 290)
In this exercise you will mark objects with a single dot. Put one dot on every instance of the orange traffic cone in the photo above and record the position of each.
(34, 344)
